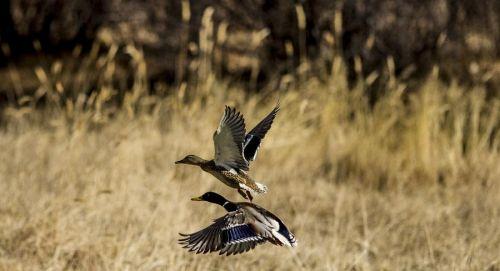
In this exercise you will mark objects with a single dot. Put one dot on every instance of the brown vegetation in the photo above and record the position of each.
(409, 184)
(87, 174)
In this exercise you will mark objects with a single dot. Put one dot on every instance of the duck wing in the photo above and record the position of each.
(268, 225)
(230, 234)
(228, 140)
(255, 136)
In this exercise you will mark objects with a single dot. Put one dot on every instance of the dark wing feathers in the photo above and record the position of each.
(228, 234)
(264, 125)
(239, 233)
(205, 240)
(255, 136)
(234, 149)
(236, 123)
(236, 248)
(229, 139)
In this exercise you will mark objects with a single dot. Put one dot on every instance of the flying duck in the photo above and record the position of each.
(245, 226)
(234, 150)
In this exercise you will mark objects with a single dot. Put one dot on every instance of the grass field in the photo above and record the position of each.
(412, 184)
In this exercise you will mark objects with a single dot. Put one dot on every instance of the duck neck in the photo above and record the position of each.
(207, 164)
(229, 206)
(220, 200)
(201, 162)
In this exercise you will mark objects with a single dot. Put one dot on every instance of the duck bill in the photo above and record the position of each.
(197, 199)
(182, 161)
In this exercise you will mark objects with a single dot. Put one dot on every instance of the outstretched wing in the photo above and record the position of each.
(255, 136)
(229, 234)
(228, 140)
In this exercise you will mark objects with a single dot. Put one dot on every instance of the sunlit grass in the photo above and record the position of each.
(409, 184)
(88, 181)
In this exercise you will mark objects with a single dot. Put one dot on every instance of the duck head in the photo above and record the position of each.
(217, 199)
(211, 197)
(192, 160)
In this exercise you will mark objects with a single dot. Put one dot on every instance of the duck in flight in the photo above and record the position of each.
(234, 150)
(245, 226)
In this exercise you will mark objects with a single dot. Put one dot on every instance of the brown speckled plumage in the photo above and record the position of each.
(234, 149)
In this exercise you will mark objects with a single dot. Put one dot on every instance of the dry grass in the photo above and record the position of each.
(89, 184)
(408, 185)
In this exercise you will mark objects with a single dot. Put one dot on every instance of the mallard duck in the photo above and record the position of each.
(244, 226)
(233, 152)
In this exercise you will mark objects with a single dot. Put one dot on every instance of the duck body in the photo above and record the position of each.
(245, 226)
(234, 149)
(261, 220)
(234, 178)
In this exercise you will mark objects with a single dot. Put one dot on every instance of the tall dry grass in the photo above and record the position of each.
(410, 184)
(88, 183)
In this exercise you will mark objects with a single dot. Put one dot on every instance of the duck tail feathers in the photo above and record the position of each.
(261, 188)
(285, 239)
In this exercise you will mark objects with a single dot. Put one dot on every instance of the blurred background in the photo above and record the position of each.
(385, 154)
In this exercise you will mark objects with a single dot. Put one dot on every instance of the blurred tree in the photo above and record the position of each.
(257, 39)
